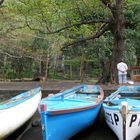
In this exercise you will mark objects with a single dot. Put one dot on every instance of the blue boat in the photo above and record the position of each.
(67, 113)
(122, 112)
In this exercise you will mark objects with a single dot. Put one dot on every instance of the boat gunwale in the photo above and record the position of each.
(10, 103)
(117, 107)
(64, 111)
(125, 92)
(57, 112)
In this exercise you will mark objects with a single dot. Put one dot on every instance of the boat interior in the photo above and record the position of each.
(73, 99)
(132, 97)
(82, 95)
(130, 94)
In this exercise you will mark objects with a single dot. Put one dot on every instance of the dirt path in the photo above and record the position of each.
(48, 85)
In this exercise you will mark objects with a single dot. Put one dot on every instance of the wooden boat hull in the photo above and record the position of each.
(65, 126)
(63, 123)
(127, 129)
(122, 114)
(11, 118)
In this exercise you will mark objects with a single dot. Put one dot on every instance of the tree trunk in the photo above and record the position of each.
(118, 39)
(71, 74)
(117, 28)
(47, 67)
(138, 58)
(82, 69)
(105, 72)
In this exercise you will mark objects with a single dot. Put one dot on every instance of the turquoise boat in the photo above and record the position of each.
(122, 112)
(67, 113)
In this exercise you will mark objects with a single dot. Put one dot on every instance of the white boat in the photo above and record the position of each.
(122, 112)
(18, 110)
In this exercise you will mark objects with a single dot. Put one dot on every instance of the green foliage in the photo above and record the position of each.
(29, 28)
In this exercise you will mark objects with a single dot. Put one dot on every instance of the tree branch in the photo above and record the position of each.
(107, 3)
(24, 55)
(10, 55)
(1, 2)
(84, 22)
(69, 26)
(100, 32)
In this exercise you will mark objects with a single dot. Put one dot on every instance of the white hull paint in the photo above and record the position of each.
(122, 112)
(128, 129)
(111, 120)
(12, 118)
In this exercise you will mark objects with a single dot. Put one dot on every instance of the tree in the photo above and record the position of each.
(1, 2)
(73, 23)
(116, 25)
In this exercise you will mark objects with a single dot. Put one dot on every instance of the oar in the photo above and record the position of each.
(111, 97)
